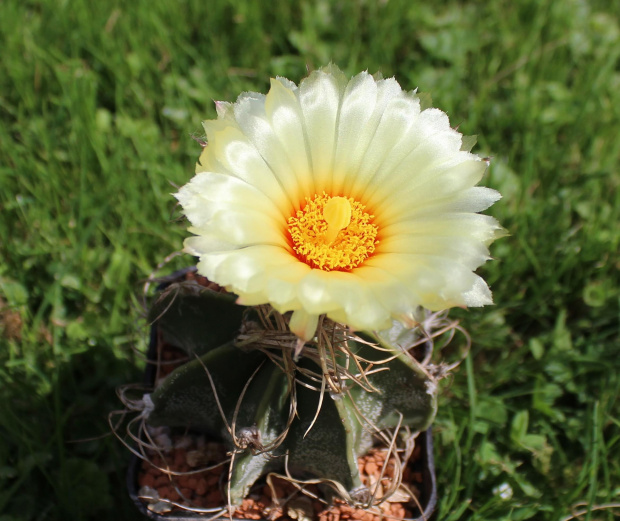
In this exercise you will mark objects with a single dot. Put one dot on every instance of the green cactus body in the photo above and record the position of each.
(194, 318)
(269, 402)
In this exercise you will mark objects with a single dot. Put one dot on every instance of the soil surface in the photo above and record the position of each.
(180, 479)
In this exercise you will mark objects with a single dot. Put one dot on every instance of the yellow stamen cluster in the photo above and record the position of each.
(333, 233)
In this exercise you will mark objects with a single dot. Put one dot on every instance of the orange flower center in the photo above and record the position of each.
(333, 233)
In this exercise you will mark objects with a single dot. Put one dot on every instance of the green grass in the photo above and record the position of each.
(98, 103)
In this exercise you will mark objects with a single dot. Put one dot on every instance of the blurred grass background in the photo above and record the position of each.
(98, 105)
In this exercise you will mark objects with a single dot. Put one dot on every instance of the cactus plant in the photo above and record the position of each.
(315, 414)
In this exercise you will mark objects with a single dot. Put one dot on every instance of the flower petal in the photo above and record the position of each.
(428, 184)
(285, 155)
(303, 324)
(319, 97)
(363, 105)
(285, 118)
(479, 227)
(230, 152)
(206, 190)
(400, 115)
(246, 270)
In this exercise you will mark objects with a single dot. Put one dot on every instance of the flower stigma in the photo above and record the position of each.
(333, 233)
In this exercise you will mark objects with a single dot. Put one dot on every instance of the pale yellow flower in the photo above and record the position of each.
(340, 197)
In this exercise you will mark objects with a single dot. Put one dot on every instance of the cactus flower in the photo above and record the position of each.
(344, 197)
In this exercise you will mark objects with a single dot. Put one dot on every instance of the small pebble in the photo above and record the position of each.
(173, 495)
(179, 458)
(147, 480)
(163, 491)
(161, 480)
(201, 487)
(371, 468)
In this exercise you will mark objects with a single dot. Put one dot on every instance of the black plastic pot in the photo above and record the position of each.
(428, 487)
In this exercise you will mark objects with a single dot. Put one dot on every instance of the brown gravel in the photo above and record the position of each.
(203, 489)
